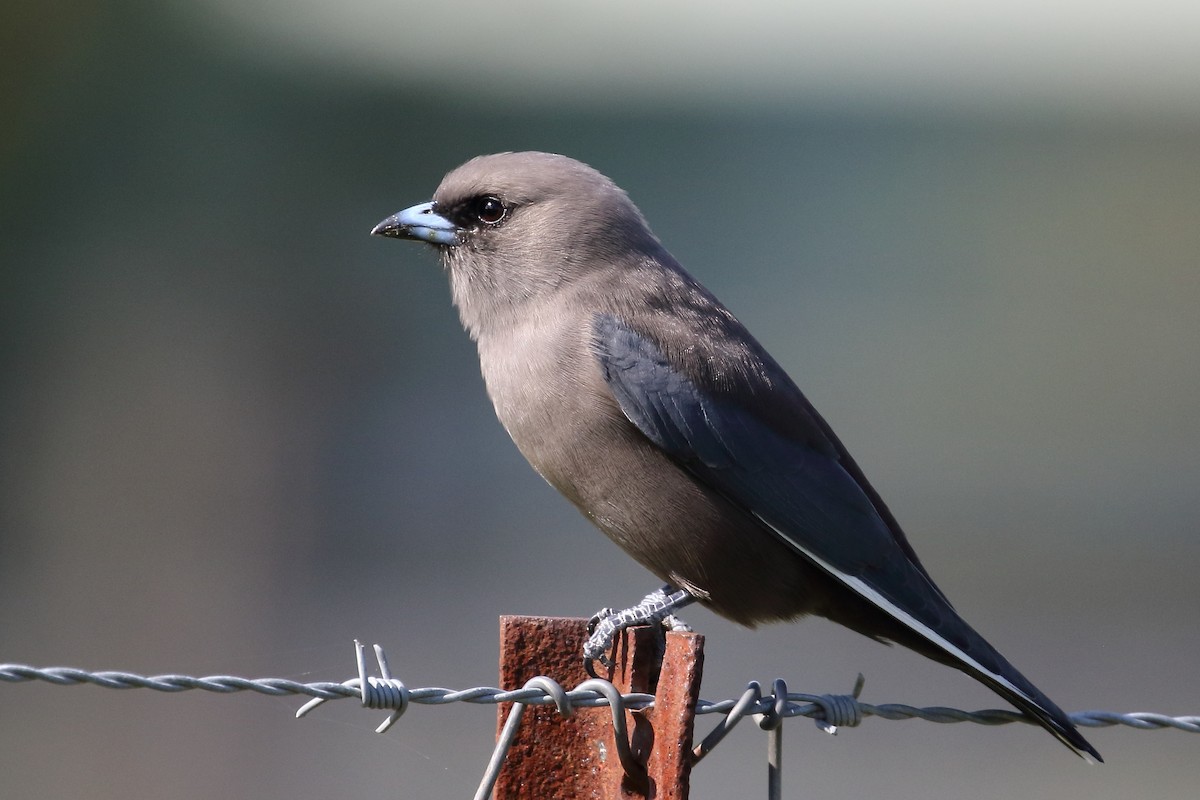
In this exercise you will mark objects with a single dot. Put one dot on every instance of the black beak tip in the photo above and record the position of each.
(388, 227)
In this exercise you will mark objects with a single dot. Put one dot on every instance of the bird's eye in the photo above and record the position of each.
(489, 210)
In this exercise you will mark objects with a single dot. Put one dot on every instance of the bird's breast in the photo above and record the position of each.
(549, 394)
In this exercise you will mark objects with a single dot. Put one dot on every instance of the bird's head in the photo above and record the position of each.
(513, 227)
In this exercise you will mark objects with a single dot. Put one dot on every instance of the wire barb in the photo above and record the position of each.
(837, 710)
(378, 693)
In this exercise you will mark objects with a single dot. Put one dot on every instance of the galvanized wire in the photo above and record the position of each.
(797, 704)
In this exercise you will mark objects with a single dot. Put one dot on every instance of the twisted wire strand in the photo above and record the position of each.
(798, 704)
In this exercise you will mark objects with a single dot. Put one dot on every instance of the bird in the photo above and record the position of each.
(632, 390)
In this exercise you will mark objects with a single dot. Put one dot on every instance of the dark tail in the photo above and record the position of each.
(933, 629)
(1025, 696)
(956, 644)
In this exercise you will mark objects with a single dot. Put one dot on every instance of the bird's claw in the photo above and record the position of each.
(599, 617)
(656, 609)
(602, 630)
(673, 623)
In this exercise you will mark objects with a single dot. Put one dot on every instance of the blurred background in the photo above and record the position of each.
(236, 432)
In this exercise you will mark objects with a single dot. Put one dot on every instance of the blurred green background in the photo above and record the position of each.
(236, 432)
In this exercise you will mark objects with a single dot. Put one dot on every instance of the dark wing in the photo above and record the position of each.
(799, 490)
(803, 491)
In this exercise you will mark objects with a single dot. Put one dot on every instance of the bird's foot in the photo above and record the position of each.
(656, 608)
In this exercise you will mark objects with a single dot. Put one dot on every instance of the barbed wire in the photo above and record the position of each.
(377, 692)
(828, 711)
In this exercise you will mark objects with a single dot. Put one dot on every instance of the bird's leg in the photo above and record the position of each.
(656, 608)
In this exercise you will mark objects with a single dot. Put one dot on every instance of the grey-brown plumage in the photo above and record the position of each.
(636, 394)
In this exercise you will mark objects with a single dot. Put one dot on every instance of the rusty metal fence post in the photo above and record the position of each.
(557, 757)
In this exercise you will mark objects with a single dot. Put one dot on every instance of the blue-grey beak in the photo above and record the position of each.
(419, 222)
